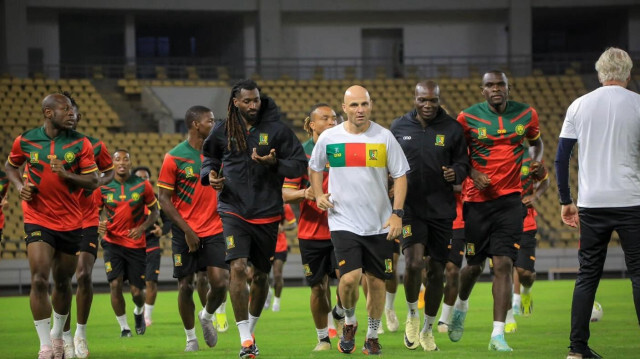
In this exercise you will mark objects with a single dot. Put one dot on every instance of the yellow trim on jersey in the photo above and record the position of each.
(108, 169)
(535, 138)
(89, 171)
(153, 203)
(165, 187)
(289, 186)
(11, 163)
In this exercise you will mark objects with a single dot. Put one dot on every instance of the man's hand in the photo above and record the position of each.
(449, 174)
(537, 170)
(192, 240)
(480, 180)
(157, 230)
(394, 223)
(308, 194)
(57, 167)
(323, 202)
(102, 228)
(28, 191)
(268, 160)
(215, 182)
(569, 214)
(529, 200)
(136, 232)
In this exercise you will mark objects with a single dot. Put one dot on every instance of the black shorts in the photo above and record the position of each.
(527, 252)
(130, 263)
(89, 241)
(456, 247)
(256, 242)
(318, 260)
(67, 242)
(280, 255)
(153, 265)
(210, 254)
(374, 254)
(493, 228)
(434, 234)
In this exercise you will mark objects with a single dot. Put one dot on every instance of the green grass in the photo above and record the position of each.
(291, 334)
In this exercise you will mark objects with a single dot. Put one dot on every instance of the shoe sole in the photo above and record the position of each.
(409, 345)
(341, 350)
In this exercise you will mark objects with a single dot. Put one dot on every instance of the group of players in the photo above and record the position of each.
(222, 190)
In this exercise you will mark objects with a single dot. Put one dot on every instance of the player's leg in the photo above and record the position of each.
(62, 270)
(516, 300)
(317, 263)
(84, 298)
(152, 271)
(525, 271)
(278, 280)
(320, 305)
(202, 286)
(135, 267)
(186, 306)
(391, 287)
(218, 275)
(452, 278)
(114, 264)
(413, 245)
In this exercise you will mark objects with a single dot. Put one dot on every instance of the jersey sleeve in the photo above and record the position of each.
(167, 176)
(289, 216)
(397, 163)
(149, 197)
(16, 157)
(103, 158)
(292, 183)
(462, 120)
(533, 131)
(318, 158)
(568, 126)
(96, 198)
(87, 161)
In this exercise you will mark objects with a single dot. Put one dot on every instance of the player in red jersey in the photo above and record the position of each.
(197, 244)
(123, 201)
(4, 187)
(59, 162)
(77, 346)
(318, 259)
(495, 132)
(288, 222)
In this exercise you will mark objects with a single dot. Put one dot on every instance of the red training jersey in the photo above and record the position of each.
(289, 218)
(90, 213)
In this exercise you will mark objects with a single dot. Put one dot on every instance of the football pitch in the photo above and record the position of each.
(290, 333)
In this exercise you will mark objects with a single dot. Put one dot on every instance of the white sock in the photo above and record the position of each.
(138, 310)
(191, 334)
(389, 300)
(498, 329)
(206, 315)
(428, 324)
(222, 308)
(413, 310)
(372, 329)
(330, 320)
(350, 317)
(252, 323)
(122, 320)
(58, 325)
(322, 333)
(43, 327)
(81, 331)
(461, 305)
(510, 318)
(526, 290)
(516, 300)
(339, 310)
(245, 332)
(276, 302)
(148, 311)
(67, 337)
(446, 313)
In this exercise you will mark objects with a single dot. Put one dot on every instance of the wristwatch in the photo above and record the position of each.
(398, 212)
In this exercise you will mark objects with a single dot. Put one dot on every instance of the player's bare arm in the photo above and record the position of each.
(27, 190)
(394, 223)
(164, 197)
(536, 149)
(322, 201)
(137, 232)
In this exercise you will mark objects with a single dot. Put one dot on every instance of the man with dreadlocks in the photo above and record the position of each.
(256, 151)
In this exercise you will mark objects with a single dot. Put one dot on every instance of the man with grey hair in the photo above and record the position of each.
(606, 125)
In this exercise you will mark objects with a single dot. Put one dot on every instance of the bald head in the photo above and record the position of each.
(357, 106)
(54, 100)
(356, 91)
(428, 85)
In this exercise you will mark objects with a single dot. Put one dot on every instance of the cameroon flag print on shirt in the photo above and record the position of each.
(357, 155)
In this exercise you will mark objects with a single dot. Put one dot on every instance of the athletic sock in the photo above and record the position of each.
(81, 331)
(510, 317)
(525, 290)
(222, 308)
(322, 333)
(446, 313)
(252, 323)
(462, 305)
(350, 316)
(148, 311)
(389, 300)
(245, 332)
(67, 337)
(413, 310)
(330, 321)
(428, 324)
(498, 329)
(122, 320)
(339, 310)
(43, 327)
(372, 329)
(516, 300)
(206, 315)
(191, 334)
(58, 325)
(138, 310)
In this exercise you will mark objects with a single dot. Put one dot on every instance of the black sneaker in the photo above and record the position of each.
(248, 352)
(141, 326)
(126, 333)
(372, 347)
(347, 343)
(589, 353)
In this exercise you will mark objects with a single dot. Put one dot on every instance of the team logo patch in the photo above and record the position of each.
(264, 139)
(35, 234)
(177, 260)
(439, 140)
(135, 196)
(341, 263)
(107, 267)
(230, 242)
(109, 197)
(471, 249)
(307, 271)
(69, 157)
(373, 155)
(337, 153)
(406, 231)
(520, 130)
(388, 265)
(34, 157)
(482, 132)
(188, 171)
(525, 170)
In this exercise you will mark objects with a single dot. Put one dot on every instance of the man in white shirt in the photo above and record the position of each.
(361, 155)
(606, 125)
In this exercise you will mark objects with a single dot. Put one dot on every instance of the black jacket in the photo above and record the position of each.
(440, 143)
(252, 190)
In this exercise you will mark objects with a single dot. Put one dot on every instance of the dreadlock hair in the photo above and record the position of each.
(307, 121)
(235, 126)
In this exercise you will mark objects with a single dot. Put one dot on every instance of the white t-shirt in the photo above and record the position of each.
(359, 166)
(606, 123)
